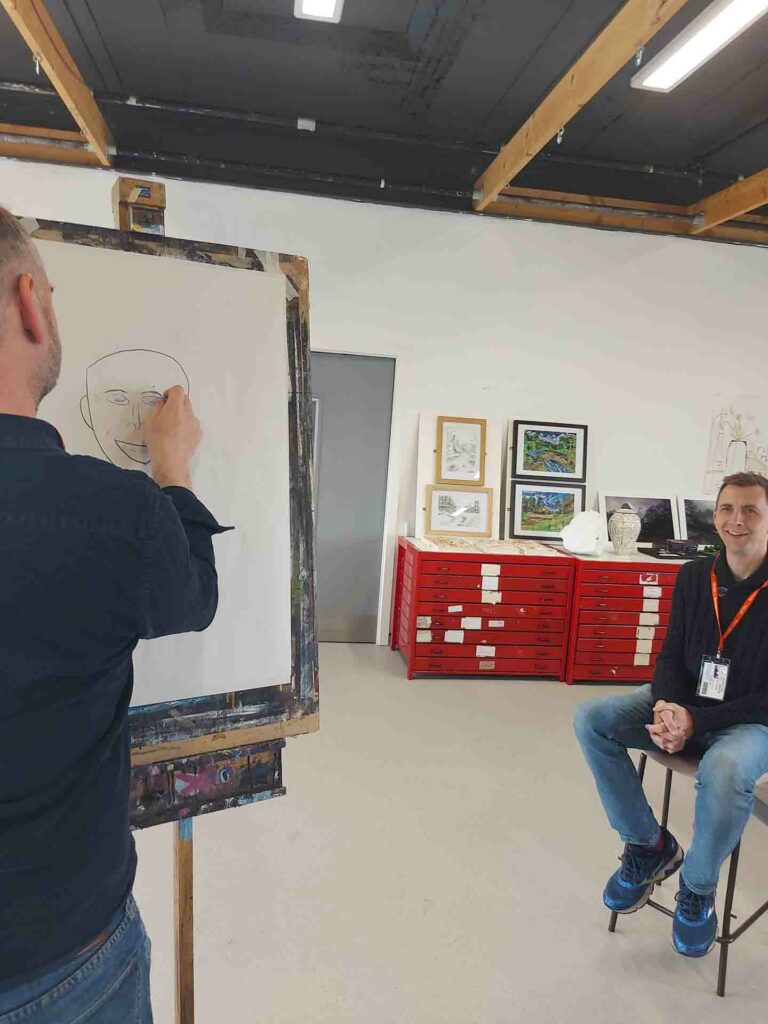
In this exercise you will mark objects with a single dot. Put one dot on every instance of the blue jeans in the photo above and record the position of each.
(108, 985)
(732, 761)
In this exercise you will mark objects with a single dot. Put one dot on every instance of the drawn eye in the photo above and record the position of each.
(224, 775)
(117, 397)
(152, 399)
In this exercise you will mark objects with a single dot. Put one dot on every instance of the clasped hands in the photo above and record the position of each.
(672, 726)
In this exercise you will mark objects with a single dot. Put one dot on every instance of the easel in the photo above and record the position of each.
(140, 206)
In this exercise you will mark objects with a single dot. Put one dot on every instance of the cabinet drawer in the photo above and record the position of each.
(488, 666)
(528, 611)
(613, 673)
(622, 604)
(441, 621)
(438, 565)
(504, 583)
(626, 646)
(494, 637)
(611, 590)
(505, 651)
(613, 658)
(618, 618)
(507, 598)
(640, 577)
(617, 632)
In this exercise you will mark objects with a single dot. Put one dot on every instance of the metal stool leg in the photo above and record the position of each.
(641, 773)
(665, 805)
(725, 931)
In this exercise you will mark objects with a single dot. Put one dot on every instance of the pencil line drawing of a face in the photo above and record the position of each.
(120, 389)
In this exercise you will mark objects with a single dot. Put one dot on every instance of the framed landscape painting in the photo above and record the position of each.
(543, 511)
(695, 517)
(460, 451)
(658, 516)
(549, 451)
(458, 511)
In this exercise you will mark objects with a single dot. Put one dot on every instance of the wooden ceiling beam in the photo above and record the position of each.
(51, 146)
(636, 23)
(734, 201)
(42, 37)
(42, 133)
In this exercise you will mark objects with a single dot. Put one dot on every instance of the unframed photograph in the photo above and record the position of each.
(658, 516)
(695, 515)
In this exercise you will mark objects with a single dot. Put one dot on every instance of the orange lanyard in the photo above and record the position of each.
(739, 614)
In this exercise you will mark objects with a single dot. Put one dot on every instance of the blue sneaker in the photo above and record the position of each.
(630, 887)
(694, 926)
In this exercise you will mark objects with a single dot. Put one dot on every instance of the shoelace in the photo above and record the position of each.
(692, 904)
(635, 864)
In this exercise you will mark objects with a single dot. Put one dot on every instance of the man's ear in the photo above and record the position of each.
(85, 411)
(31, 314)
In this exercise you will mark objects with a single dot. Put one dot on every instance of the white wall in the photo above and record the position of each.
(630, 334)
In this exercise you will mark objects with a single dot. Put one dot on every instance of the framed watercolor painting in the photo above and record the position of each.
(460, 451)
(549, 451)
(658, 516)
(695, 518)
(543, 511)
(458, 511)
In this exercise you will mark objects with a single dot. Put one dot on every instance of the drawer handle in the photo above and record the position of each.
(603, 618)
(601, 632)
(545, 611)
(548, 586)
(600, 647)
(442, 596)
(603, 590)
(548, 574)
(541, 668)
(438, 650)
(439, 622)
(602, 604)
(435, 664)
(443, 568)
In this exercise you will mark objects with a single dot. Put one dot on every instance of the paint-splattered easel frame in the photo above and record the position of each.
(205, 754)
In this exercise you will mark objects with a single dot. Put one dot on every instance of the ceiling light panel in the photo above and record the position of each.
(319, 10)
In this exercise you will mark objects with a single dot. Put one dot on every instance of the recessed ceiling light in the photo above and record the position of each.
(714, 28)
(320, 10)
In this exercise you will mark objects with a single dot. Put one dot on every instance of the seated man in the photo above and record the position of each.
(709, 696)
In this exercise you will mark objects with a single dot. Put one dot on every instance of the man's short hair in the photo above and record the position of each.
(17, 254)
(743, 480)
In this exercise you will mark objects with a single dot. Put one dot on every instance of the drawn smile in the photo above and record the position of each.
(135, 452)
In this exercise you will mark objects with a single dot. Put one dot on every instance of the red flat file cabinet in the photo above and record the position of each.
(619, 617)
(490, 610)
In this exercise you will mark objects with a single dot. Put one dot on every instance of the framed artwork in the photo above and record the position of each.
(549, 451)
(695, 518)
(460, 451)
(458, 511)
(658, 516)
(543, 511)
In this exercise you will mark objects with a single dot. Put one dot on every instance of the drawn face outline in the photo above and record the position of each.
(120, 389)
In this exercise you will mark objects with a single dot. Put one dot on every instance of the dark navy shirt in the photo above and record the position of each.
(92, 559)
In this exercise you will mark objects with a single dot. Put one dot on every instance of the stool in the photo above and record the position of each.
(687, 765)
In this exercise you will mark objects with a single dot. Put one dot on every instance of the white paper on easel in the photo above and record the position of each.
(223, 332)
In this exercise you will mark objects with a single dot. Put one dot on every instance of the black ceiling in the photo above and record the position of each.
(411, 98)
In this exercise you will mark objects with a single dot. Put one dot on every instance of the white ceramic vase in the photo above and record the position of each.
(624, 529)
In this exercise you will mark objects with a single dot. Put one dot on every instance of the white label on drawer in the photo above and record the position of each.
(455, 607)
(496, 623)
(487, 665)
(491, 597)
(645, 632)
(423, 620)
(651, 606)
(423, 636)
(651, 591)
(471, 622)
(454, 636)
(642, 659)
(648, 577)
(488, 569)
(647, 619)
(490, 582)
(643, 646)
(483, 651)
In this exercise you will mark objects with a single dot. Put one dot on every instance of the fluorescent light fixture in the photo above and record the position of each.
(714, 28)
(320, 10)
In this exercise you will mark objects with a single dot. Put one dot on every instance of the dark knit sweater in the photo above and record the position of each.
(693, 632)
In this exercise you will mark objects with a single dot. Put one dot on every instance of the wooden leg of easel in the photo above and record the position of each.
(184, 914)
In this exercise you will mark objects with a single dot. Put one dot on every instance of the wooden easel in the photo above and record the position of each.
(139, 205)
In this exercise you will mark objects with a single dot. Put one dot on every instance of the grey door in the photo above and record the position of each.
(354, 417)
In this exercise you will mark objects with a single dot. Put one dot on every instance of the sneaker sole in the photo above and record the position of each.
(664, 872)
(693, 956)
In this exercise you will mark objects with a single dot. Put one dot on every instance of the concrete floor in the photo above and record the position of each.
(439, 859)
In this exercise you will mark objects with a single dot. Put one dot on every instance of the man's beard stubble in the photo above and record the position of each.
(49, 374)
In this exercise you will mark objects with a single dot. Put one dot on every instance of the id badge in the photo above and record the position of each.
(713, 677)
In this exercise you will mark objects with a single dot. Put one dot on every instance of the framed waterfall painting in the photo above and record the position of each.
(549, 451)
